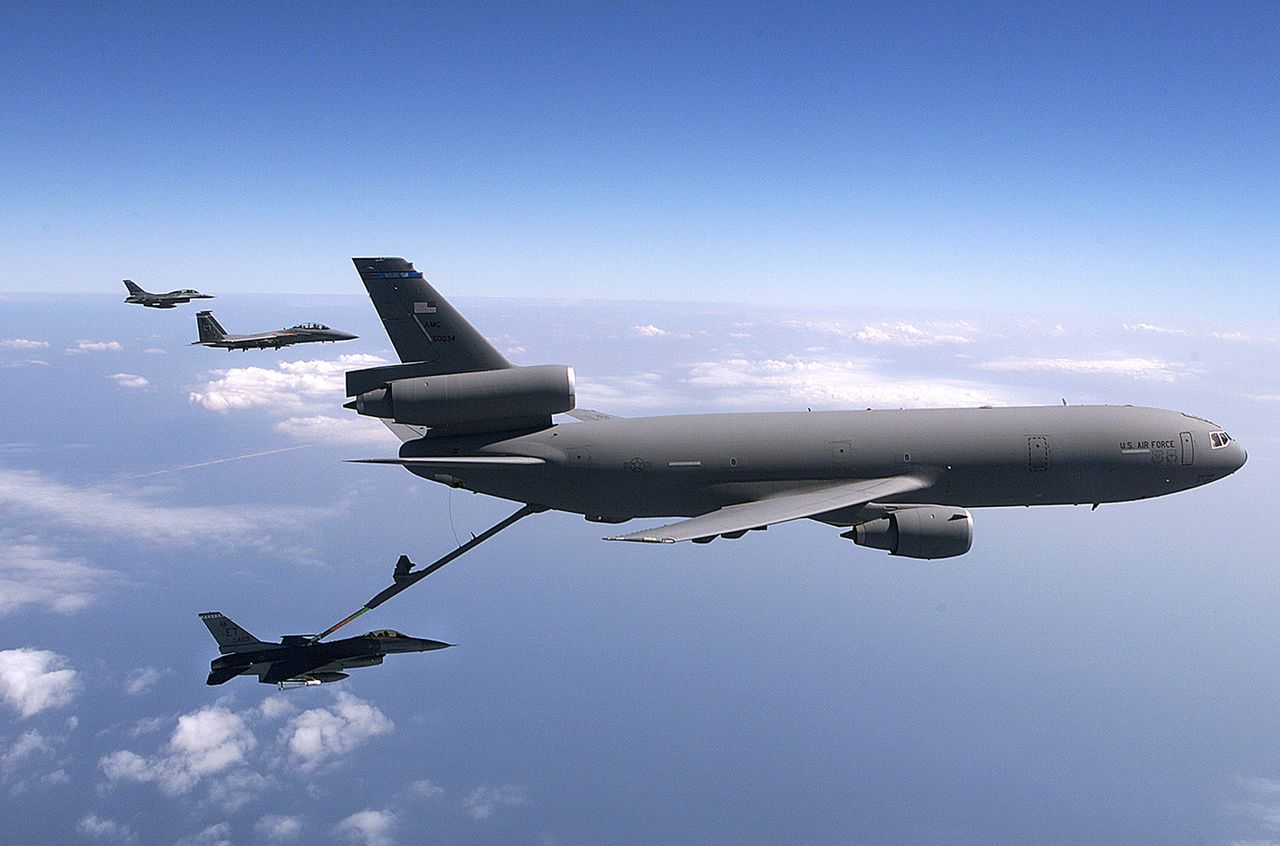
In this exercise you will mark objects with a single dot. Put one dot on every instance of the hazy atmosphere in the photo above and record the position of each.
(732, 209)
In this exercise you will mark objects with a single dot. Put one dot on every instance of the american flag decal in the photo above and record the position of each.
(429, 307)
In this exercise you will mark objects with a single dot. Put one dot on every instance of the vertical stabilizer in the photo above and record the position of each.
(133, 288)
(423, 326)
(230, 637)
(210, 328)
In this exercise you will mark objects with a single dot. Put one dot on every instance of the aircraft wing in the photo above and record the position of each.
(453, 461)
(778, 509)
(291, 668)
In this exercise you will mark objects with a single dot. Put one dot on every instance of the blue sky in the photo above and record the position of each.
(1051, 156)
(734, 208)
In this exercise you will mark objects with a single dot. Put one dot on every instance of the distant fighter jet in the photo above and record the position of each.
(169, 300)
(213, 335)
(897, 480)
(299, 659)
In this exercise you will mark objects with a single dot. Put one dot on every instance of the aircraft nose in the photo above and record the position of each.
(1239, 456)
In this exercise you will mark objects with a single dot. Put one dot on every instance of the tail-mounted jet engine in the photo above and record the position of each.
(918, 531)
(462, 399)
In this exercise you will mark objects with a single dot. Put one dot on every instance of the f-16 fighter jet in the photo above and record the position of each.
(171, 299)
(213, 335)
(299, 660)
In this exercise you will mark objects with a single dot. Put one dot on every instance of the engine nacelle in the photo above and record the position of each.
(919, 531)
(517, 393)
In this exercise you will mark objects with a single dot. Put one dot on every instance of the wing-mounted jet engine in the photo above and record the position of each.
(920, 531)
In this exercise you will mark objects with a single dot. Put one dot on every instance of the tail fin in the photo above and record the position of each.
(230, 637)
(133, 289)
(210, 329)
(423, 326)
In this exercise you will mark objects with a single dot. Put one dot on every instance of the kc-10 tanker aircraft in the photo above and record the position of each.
(900, 480)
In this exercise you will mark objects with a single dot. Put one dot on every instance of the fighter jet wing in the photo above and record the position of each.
(778, 509)
(293, 667)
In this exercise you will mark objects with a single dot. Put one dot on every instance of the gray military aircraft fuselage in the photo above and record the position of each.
(300, 659)
(169, 299)
(901, 480)
(213, 335)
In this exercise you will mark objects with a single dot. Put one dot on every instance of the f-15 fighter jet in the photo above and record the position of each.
(213, 335)
(170, 299)
(299, 660)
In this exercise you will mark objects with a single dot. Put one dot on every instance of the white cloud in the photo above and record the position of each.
(155, 351)
(129, 380)
(1261, 808)
(651, 331)
(277, 828)
(95, 346)
(426, 788)
(354, 430)
(319, 735)
(30, 744)
(908, 335)
(293, 387)
(58, 776)
(1154, 369)
(485, 799)
(91, 825)
(141, 680)
(368, 827)
(122, 512)
(239, 787)
(275, 707)
(34, 680)
(204, 743)
(34, 574)
(774, 383)
(218, 834)
(22, 344)
(1152, 328)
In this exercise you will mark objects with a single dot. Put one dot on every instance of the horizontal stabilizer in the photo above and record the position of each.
(454, 461)
(223, 676)
(778, 509)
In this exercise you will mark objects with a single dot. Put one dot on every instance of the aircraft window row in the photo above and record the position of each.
(1219, 439)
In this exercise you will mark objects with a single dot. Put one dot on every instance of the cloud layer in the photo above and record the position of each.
(34, 680)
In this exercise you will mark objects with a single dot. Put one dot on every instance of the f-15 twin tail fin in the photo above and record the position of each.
(210, 329)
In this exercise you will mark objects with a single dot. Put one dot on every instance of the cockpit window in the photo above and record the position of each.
(385, 634)
(1219, 439)
(311, 326)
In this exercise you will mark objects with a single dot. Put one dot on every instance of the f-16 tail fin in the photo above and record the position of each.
(133, 288)
(423, 326)
(230, 636)
(210, 329)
